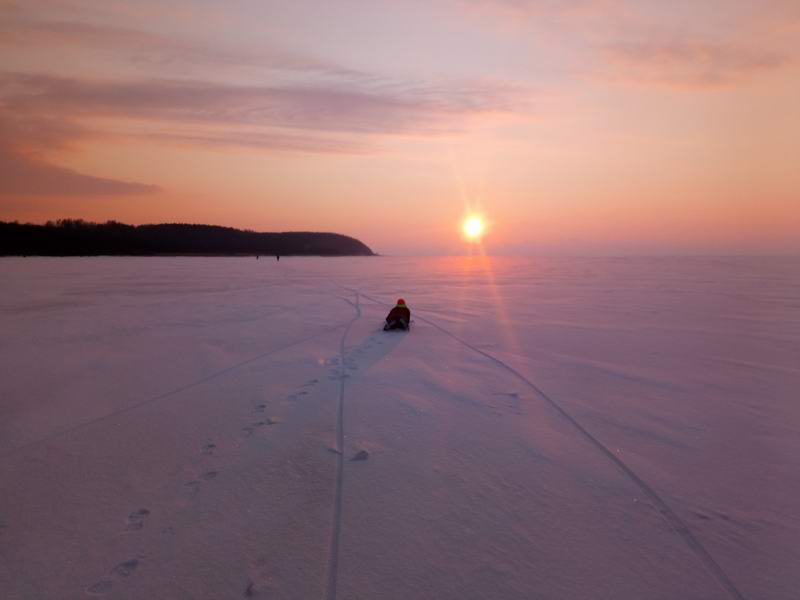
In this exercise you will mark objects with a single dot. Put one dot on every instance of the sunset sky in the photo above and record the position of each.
(572, 126)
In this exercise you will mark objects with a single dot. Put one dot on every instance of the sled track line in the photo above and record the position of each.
(670, 516)
(172, 392)
(336, 524)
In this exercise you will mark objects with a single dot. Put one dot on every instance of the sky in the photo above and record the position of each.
(570, 126)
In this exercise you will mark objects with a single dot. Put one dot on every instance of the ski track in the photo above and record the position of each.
(172, 392)
(336, 526)
(671, 517)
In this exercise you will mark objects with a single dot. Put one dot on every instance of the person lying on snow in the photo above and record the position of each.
(399, 317)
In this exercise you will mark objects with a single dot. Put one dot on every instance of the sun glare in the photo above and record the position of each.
(473, 228)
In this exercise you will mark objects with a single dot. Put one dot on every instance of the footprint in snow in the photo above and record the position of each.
(101, 587)
(250, 429)
(194, 484)
(123, 569)
(360, 455)
(512, 397)
(701, 515)
(260, 408)
(208, 449)
(135, 520)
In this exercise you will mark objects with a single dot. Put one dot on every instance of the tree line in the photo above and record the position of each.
(76, 237)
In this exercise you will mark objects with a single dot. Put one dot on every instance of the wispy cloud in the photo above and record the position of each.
(159, 50)
(389, 108)
(568, 13)
(688, 64)
(305, 104)
(647, 42)
(547, 6)
(261, 141)
(25, 144)
(29, 175)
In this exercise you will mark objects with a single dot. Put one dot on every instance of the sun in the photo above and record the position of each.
(473, 228)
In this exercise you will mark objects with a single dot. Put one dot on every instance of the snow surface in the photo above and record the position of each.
(550, 428)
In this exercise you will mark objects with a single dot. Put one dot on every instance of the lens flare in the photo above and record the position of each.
(473, 228)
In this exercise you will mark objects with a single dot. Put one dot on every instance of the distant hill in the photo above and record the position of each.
(70, 237)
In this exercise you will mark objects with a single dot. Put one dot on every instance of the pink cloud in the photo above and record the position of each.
(387, 108)
(272, 141)
(337, 110)
(545, 7)
(157, 49)
(565, 14)
(679, 44)
(29, 175)
(687, 63)
(324, 107)
(25, 170)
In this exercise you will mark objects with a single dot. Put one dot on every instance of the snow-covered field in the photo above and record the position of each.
(550, 428)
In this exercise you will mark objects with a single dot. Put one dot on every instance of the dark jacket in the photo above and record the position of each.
(399, 312)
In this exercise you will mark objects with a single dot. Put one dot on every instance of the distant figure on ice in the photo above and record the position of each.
(278, 257)
(399, 317)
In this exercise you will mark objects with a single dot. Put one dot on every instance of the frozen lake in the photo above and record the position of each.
(549, 428)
